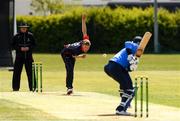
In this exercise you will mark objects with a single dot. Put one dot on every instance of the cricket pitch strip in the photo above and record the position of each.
(87, 106)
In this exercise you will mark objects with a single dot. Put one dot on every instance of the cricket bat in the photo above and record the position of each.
(143, 44)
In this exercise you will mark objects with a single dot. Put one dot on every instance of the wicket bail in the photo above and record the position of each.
(37, 76)
(141, 80)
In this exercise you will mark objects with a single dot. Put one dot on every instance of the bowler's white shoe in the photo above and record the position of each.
(69, 91)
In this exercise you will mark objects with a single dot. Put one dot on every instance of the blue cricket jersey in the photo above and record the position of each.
(122, 55)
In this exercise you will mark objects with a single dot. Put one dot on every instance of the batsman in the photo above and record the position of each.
(73, 51)
(125, 61)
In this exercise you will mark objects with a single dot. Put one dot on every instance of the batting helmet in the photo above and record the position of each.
(137, 39)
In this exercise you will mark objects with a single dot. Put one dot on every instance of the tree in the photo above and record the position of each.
(47, 7)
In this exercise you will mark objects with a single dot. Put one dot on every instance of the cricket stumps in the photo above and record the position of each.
(141, 82)
(37, 76)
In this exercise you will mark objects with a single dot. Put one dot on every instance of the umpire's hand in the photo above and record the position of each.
(24, 49)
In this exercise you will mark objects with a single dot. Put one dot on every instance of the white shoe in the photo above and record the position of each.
(69, 91)
(123, 113)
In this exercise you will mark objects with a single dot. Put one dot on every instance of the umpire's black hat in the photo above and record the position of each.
(23, 25)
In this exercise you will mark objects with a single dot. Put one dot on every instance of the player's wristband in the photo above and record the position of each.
(86, 37)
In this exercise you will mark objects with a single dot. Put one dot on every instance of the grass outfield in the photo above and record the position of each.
(163, 72)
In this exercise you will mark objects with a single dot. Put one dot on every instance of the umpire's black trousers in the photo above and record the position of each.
(18, 65)
(69, 64)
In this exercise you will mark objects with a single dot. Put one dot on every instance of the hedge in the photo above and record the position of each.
(108, 29)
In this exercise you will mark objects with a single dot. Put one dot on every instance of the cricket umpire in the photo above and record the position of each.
(72, 51)
(119, 67)
(23, 42)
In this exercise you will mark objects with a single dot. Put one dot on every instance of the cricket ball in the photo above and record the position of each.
(104, 55)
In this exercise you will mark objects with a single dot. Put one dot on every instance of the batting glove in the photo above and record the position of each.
(132, 59)
(133, 67)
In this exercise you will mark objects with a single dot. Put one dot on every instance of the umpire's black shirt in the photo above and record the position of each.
(23, 40)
